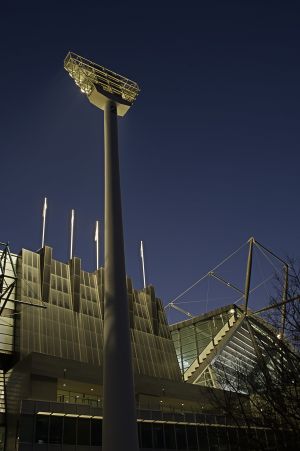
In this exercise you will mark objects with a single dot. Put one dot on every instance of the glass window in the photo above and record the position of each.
(69, 437)
(243, 436)
(96, 432)
(233, 439)
(158, 435)
(202, 438)
(213, 438)
(180, 437)
(170, 436)
(223, 438)
(139, 424)
(26, 428)
(146, 434)
(55, 431)
(83, 431)
(41, 429)
(191, 433)
(261, 438)
(270, 438)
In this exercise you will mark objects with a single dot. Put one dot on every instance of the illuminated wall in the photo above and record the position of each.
(71, 326)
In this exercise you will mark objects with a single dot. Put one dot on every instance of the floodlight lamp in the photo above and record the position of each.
(101, 84)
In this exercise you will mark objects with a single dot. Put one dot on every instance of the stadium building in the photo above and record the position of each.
(51, 338)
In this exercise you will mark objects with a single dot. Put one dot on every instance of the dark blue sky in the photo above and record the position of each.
(209, 152)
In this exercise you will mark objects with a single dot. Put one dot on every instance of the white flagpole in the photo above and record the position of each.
(72, 233)
(44, 214)
(143, 263)
(97, 244)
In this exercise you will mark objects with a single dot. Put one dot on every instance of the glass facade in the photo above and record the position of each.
(196, 338)
(208, 434)
(223, 349)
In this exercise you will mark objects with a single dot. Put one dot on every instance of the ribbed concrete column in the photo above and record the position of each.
(119, 414)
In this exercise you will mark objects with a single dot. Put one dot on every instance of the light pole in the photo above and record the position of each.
(114, 94)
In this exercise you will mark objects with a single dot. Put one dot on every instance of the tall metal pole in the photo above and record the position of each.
(119, 413)
(248, 274)
(143, 263)
(72, 234)
(44, 221)
(97, 244)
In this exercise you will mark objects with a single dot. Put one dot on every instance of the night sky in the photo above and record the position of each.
(209, 152)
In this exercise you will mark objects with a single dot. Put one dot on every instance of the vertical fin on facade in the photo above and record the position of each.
(130, 301)
(46, 262)
(153, 308)
(100, 286)
(75, 272)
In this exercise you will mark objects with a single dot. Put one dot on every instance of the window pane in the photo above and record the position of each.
(83, 431)
(26, 428)
(233, 439)
(170, 436)
(146, 432)
(96, 432)
(223, 440)
(41, 429)
(69, 431)
(191, 433)
(202, 438)
(158, 436)
(55, 433)
(213, 438)
(180, 437)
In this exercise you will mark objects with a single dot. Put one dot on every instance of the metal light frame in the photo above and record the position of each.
(92, 78)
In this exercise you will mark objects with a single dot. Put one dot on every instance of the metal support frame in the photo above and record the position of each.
(225, 282)
(246, 293)
(248, 274)
(285, 286)
(6, 287)
(276, 305)
(7, 283)
(181, 310)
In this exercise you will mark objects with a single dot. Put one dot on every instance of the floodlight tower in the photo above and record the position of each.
(114, 94)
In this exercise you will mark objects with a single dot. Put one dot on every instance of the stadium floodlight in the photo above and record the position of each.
(113, 94)
(100, 84)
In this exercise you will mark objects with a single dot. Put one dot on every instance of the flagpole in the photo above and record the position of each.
(97, 244)
(44, 221)
(72, 233)
(143, 263)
